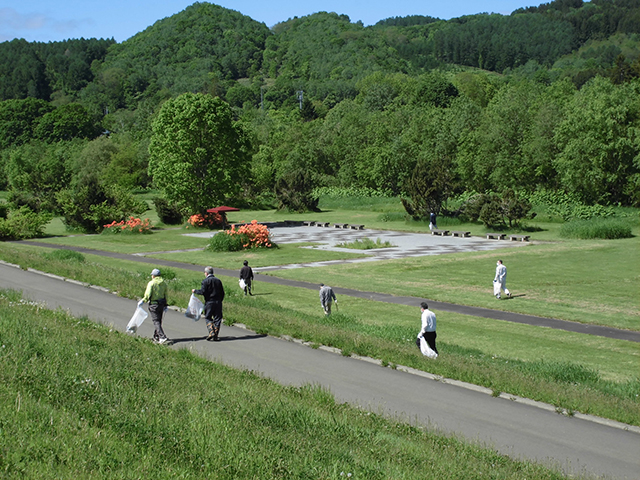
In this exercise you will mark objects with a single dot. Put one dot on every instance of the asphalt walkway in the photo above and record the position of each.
(513, 426)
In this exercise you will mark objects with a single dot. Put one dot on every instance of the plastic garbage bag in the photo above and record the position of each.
(194, 309)
(426, 349)
(242, 284)
(496, 288)
(138, 317)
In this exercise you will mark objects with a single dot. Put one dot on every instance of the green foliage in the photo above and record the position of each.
(496, 211)
(430, 186)
(89, 206)
(223, 242)
(605, 228)
(23, 223)
(66, 123)
(294, 192)
(19, 119)
(199, 155)
(350, 191)
(168, 213)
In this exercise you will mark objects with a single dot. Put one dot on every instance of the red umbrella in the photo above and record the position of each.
(223, 212)
(223, 209)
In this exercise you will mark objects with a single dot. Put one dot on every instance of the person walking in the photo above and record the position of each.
(500, 280)
(432, 222)
(428, 330)
(326, 295)
(213, 293)
(156, 295)
(246, 274)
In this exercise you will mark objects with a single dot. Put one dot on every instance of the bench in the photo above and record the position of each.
(497, 236)
(461, 234)
(522, 238)
(340, 225)
(435, 231)
(357, 227)
(309, 224)
(322, 224)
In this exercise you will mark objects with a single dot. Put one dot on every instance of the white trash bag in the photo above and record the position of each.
(242, 284)
(426, 349)
(138, 317)
(496, 288)
(194, 309)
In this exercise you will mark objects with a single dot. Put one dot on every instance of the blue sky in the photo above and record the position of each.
(51, 20)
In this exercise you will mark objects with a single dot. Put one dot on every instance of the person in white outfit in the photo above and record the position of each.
(501, 279)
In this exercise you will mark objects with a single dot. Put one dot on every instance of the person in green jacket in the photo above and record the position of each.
(156, 295)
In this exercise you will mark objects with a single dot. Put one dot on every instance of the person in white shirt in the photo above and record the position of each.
(428, 330)
(326, 295)
(501, 279)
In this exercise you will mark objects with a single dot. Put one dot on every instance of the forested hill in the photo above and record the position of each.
(204, 46)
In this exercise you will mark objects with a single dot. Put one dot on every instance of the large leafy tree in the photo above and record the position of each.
(199, 155)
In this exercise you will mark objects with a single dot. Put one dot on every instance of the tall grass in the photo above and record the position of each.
(596, 228)
(81, 401)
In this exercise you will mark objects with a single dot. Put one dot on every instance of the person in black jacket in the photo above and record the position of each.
(213, 293)
(246, 274)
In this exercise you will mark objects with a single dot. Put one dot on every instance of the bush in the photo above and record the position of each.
(132, 225)
(223, 242)
(4, 210)
(168, 213)
(208, 220)
(23, 223)
(604, 228)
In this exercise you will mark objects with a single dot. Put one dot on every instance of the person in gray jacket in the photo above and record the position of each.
(326, 295)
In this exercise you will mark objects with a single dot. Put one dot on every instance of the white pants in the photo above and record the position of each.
(498, 286)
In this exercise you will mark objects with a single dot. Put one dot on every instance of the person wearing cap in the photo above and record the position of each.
(326, 295)
(246, 274)
(156, 295)
(213, 293)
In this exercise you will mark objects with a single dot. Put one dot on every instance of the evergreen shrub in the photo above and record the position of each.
(168, 213)
(223, 242)
(23, 223)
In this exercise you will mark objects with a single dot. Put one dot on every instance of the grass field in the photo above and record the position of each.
(572, 371)
(82, 401)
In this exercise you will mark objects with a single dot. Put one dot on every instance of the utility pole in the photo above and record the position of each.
(300, 93)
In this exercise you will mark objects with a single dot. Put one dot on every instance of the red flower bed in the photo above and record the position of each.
(210, 220)
(133, 225)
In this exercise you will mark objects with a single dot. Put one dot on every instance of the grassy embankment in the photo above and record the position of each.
(82, 401)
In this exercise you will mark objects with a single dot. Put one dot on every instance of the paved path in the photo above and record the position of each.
(577, 327)
(517, 428)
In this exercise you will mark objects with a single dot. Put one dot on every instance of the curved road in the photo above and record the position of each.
(519, 429)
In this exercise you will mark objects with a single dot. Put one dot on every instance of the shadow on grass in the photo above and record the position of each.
(514, 296)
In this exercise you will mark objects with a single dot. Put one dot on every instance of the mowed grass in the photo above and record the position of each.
(594, 282)
(572, 371)
(82, 401)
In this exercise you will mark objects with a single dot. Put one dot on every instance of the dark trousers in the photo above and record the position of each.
(430, 338)
(156, 310)
(213, 315)
(247, 286)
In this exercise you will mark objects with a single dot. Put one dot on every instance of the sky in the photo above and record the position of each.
(56, 20)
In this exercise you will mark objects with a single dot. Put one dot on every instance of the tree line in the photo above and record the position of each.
(319, 101)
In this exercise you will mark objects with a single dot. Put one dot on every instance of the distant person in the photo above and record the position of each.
(156, 295)
(428, 330)
(326, 295)
(246, 274)
(500, 280)
(213, 293)
(432, 222)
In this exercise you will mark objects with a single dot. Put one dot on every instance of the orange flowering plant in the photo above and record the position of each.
(252, 235)
(209, 220)
(258, 234)
(132, 225)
